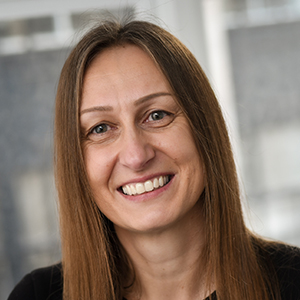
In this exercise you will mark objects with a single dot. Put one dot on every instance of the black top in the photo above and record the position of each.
(46, 283)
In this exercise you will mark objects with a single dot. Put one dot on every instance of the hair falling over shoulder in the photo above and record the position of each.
(94, 263)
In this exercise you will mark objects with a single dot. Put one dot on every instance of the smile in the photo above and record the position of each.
(144, 187)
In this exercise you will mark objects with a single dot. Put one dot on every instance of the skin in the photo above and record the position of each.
(133, 130)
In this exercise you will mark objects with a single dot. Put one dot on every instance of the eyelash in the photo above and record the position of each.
(93, 129)
(157, 112)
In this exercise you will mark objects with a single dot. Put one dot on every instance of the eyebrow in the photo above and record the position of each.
(149, 97)
(136, 103)
(96, 108)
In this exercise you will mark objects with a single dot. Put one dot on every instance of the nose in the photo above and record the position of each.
(136, 150)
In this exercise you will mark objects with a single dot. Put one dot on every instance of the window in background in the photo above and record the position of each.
(264, 40)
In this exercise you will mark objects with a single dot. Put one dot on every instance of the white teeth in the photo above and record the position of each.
(148, 186)
(143, 187)
(128, 190)
(140, 188)
(133, 189)
(161, 181)
(155, 183)
(125, 190)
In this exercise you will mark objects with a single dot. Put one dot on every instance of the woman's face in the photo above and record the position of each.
(141, 159)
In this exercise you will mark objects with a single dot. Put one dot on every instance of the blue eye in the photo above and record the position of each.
(101, 128)
(157, 115)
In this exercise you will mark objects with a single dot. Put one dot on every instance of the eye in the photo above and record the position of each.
(158, 119)
(157, 115)
(101, 128)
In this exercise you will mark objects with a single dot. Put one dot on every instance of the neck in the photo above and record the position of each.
(168, 262)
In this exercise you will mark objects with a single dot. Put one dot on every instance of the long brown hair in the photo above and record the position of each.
(94, 264)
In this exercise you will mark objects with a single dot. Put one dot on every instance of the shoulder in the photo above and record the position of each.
(286, 262)
(41, 284)
(285, 258)
(283, 254)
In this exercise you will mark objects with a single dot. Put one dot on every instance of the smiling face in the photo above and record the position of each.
(141, 159)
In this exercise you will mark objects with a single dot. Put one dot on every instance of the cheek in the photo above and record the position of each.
(186, 150)
(189, 158)
(97, 165)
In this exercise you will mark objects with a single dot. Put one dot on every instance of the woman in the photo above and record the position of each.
(148, 193)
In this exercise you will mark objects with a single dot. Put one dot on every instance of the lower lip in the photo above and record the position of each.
(148, 195)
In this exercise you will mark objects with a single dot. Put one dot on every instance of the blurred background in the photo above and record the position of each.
(250, 50)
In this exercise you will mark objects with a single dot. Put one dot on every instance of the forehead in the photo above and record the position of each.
(121, 59)
(122, 72)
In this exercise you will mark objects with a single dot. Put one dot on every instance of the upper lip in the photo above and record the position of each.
(145, 178)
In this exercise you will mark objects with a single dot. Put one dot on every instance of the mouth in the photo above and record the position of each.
(145, 187)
